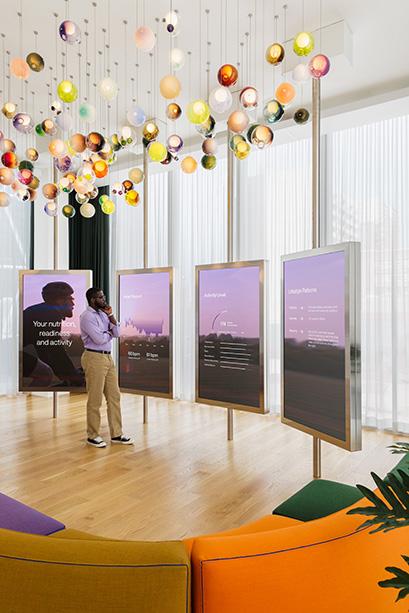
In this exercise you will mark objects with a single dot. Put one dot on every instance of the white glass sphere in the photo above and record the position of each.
(4, 199)
(144, 39)
(107, 88)
(210, 146)
(220, 99)
(87, 210)
(51, 209)
(300, 73)
(65, 122)
(172, 22)
(136, 116)
(176, 59)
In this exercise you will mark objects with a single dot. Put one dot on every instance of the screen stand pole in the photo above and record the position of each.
(229, 245)
(55, 404)
(55, 266)
(316, 218)
(145, 246)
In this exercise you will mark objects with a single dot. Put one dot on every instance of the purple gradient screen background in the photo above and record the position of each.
(152, 303)
(241, 286)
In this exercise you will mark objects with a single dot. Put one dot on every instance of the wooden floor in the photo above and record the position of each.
(181, 478)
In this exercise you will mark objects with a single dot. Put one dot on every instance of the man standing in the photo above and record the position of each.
(98, 328)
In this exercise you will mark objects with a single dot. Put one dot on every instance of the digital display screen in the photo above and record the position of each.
(50, 337)
(229, 343)
(145, 342)
(314, 342)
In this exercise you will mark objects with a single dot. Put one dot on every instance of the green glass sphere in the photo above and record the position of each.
(208, 162)
(67, 91)
(68, 211)
(237, 138)
(273, 111)
(39, 130)
(301, 116)
(303, 43)
(197, 111)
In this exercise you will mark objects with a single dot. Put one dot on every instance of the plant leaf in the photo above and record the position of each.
(399, 582)
(399, 448)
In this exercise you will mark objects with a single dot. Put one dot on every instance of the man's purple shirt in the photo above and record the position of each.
(96, 330)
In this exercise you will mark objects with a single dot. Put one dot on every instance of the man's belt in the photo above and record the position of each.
(98, 351)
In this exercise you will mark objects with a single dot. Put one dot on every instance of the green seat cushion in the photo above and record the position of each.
(403, 464)
(318, 499)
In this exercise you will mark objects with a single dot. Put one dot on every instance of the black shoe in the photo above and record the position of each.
(125, 440)
(96, 442)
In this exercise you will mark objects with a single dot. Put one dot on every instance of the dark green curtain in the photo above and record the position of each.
(89, 242)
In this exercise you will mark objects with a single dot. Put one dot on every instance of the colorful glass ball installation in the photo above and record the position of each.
(301, 116)
(23, 123)
(100, 169)
(6, 176)
(108, 207)
(86, 172)
(95, 142)
(303, 43)
(77, 142)
(173, 111)
(63, 164)
(197, 111)
(31, 154)
(7, 145)
(220, 100)
(275, 54)
(210, 146)
(48, 127)
(189, 165)
(207, 127)
(58, 148)
(66, 185)
(50, 191)
(25, 176)
(136, 116)
(135, 175)
(132, 198)
(87, 112)
(4, 199)
(249, 98)
(9, 109)
(68, 211)
(238, 122)
(19, 68)
(300, 73)
(227, 75)
(144, 39)
(107, 88)
(174, 143)
(319, 66)
(170, 87)
(176, 59)
(35, 62)
(157, 151)
(10, 160)
(51, 209)
(70, 33)
(208, 162)
(273, 111)
(237, 138)
(242, 150)
(150, 130)
(285, 93)
(262, 137)
(67, 91)
(87, 210)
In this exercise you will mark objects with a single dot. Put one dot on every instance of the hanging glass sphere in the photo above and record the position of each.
(126, 186)
(174, 143)
(56, 107)
(150, 130)
(86, 172)
(136, 116)
(67, 91)
(34, 183)
(116, 188)
(58, 148)
(39, 130)
(108, 207)
(23, 194)
(249, 98)
(87, 112)
(135, 175)
(1, 135)
(7, 145)
(157, 151)
(285, 93)
(9, 109)
(100, 169)
(238, 122)
(115, 142)
(242, 150)
(16, 185)
(220, 100)
(189, 165)
(262, 137)
(70, 32)
(300, 73)
(31, 154)
(81, 199)
(132, 198)
(208, 162)
(95, 142)
(6, 176)
(71, 151)
(10, 160)
(237, 138)
(106, 152)
(19, 68)
(87, 210)
(4, 200)
(35, 62)
(319, 66)
(65, 122)
(51, 209)
(176, 59)
(25, 176)
(197, 111)
(227, 75)
(250, 131)
(303, 43)
(66, 185)
(173, 111)
(50, 191)
(210, 146)
(104, 197)
(170, 86)
(275, 54)
(168, 159)
(144, 39)
(68, 211)
(172, 21)
(63, 164)
(301, 116)
(206, 128)
(81, 186)
(48, 127)
(32, 194)
(273, 111)
(77, 143)
(107, 88)
(93, 192)
(23, 123)
(128, 136)
(25, 164)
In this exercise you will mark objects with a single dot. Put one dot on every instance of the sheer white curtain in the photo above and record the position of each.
(368, 200)
(14, 255)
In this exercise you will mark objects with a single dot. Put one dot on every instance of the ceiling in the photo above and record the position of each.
(213, 32)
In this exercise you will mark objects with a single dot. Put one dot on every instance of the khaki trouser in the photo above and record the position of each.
(101, 378)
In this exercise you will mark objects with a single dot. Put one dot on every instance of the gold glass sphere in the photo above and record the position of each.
(173, 111)
(132, 198)
(9, 109)
(227, 75)
(150, 130)
(275, 54)
(242, 150)
(35, 62)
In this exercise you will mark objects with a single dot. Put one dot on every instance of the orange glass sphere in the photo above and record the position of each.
(50, 191)
(6, 176)
(77, 142)
(10, 160)
(100, 168)
(170, 87)
(227, 75)
(189, 165)
(19, 68)
(285, 93)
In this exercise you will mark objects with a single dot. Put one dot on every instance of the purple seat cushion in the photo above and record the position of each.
(17, 516)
